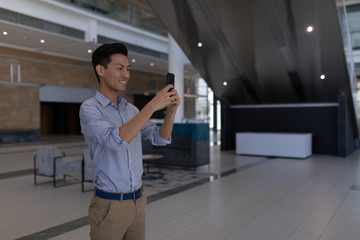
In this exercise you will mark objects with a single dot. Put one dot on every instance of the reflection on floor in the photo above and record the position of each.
(236, 197)
(173, 178)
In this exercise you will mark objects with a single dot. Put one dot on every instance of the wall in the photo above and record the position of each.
(346, 136)
(19, 112)
(322, 122)
(20, 105)
(44, 69)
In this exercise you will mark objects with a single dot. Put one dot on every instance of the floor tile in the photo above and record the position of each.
(344, 226)
(278, 220)
(316, 222)
(252, 234)
(304, 236)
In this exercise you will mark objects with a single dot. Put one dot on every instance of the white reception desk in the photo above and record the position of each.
(294, 145)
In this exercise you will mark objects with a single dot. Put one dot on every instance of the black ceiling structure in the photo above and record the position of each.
(261, 48)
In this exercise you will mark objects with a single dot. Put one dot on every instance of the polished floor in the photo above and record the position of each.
(235, 198)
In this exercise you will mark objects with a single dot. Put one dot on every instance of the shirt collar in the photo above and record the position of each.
(105, 101)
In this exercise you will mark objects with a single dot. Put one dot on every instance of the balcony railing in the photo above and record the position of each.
(136, 13)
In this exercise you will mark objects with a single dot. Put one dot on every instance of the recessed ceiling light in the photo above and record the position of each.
(225, 83)
(322, 76)
(309, 29)
(199, 44)
(42, 40)
(5, 33)
(89, 51)
(152, 64)
(133, 60)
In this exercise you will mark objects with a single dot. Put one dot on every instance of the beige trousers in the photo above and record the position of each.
(114, 219)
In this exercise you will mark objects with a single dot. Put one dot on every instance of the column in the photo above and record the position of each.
(91, 32)
(176, 66)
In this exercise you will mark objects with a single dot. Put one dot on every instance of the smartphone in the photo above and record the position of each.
(170, 79)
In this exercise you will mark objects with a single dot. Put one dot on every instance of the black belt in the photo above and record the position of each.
(117, 196)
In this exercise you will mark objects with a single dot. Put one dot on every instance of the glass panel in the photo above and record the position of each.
(349, 37)
(137, 13)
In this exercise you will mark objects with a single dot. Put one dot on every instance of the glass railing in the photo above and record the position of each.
(353, 16)
(348, 40)
(134, 12)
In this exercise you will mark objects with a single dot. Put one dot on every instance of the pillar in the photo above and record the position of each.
(91, 32)
(176, 66)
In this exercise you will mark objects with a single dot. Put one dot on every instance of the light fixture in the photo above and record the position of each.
(133, 60)
(199, 44)
(309, 29)
(225, 83)
(42, 40)
(322, 76)
(5, 33)
(89, 51)
(151, 64)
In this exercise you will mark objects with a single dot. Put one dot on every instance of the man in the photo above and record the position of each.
(113, 130)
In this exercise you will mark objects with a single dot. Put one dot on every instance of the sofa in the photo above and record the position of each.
(189, 146)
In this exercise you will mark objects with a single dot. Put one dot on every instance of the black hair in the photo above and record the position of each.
(102, 55)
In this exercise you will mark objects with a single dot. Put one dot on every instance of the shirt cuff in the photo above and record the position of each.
(159, 140)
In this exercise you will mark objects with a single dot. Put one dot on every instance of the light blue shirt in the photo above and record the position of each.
(117, 164)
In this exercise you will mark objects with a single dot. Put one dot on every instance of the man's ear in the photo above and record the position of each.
(100, 70)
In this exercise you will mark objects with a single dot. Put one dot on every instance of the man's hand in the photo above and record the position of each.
(175, 102)
(164, 98)
(167, 126)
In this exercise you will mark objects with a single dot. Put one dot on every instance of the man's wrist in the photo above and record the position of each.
(150, 107)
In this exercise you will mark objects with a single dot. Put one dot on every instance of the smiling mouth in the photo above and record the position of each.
(123, 82)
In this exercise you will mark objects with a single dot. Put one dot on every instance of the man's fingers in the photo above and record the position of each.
(168, 87)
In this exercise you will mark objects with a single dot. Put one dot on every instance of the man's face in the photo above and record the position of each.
(117, 73)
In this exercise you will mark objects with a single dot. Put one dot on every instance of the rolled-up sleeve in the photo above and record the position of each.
(158, 140)
(96, 128)
(151, 132)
